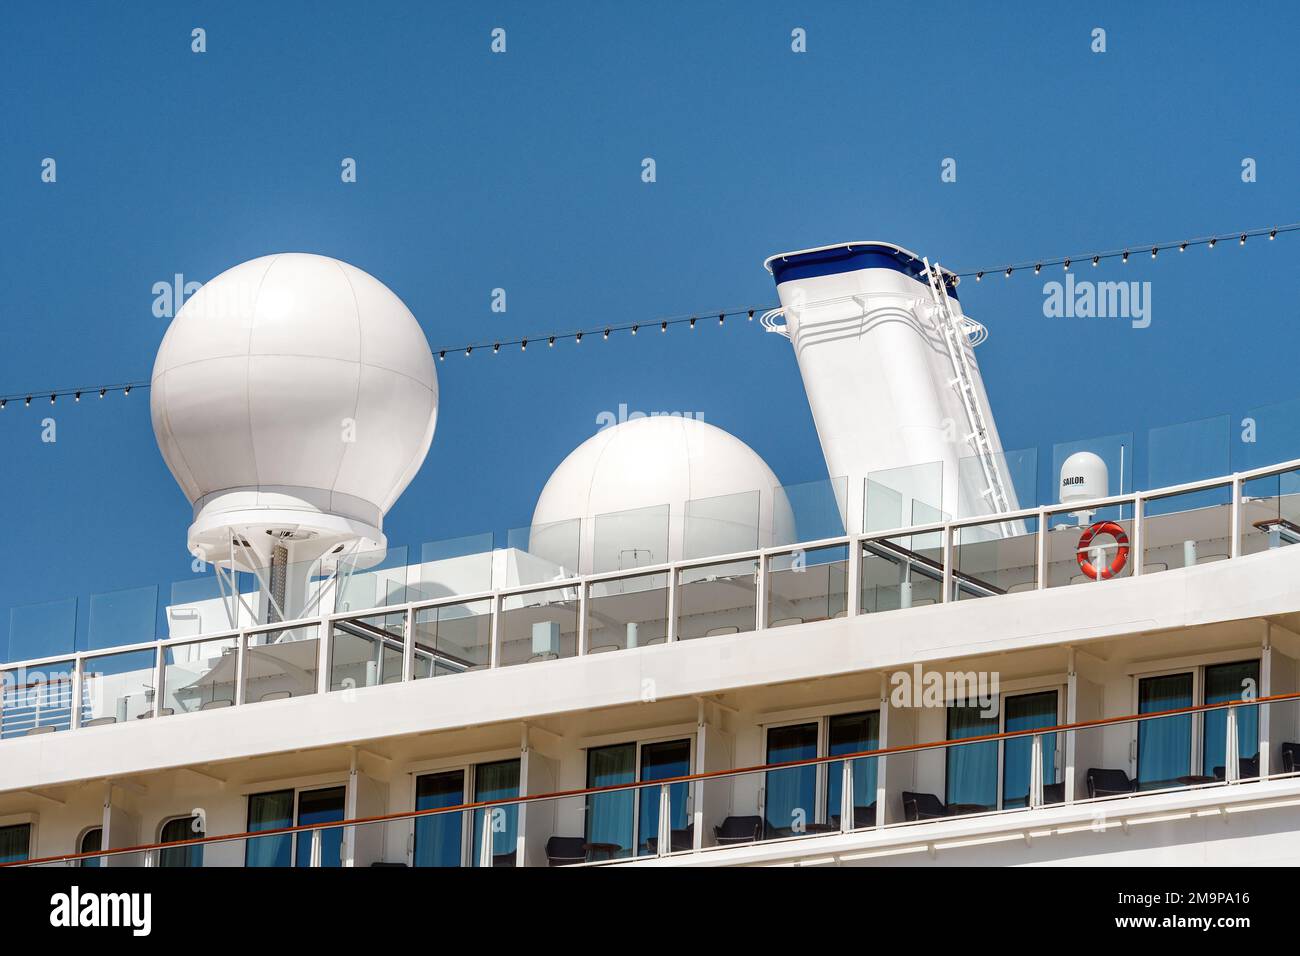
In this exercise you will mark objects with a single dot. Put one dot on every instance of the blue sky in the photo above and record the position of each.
(522, 171)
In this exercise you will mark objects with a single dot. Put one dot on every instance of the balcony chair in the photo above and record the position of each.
(42, 729)
(217, 704)
(276, 695)
(863, 817)
(1290, 758)
(564, 851)
(738, 830)
(1053, 793)
(1109, 783)
(1247, 767)
(719, 631)
(923, 806)
(99, 721)
(683, 839)
(786, 622)
(504, 860)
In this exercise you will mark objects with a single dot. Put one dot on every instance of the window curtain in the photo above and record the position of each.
(438, 836)
(852, 733)
(321, 806)
(658, 762)
(1225, 682)
(610, 815)
(92, 841)
(184, 828)
(1026, 712)
(1165, 744)
(973, 768)
(14, 842)
(791, 794)
(496, 781)
(269, 811)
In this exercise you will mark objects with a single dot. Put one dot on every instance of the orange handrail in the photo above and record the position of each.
(666, 781)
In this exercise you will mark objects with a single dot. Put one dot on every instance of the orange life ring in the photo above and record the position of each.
(1085, 540)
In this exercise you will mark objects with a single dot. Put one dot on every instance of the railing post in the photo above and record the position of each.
(159, 679)
(847, 800)
(241, 657)
(853, 582)
(1040, 559)
(77, 689)
(1234, 545)
(583, 593)
(1139, 532)
(882, 763)
(315, 849)
(670, 632)
(494, 650)
(408, 647)
(325, 634)
(1231, 751)
(485, 842)
(1036, 772)
(665, 820)
(947, 564)
(760, 593)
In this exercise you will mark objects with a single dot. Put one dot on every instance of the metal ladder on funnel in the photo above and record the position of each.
(955, 337)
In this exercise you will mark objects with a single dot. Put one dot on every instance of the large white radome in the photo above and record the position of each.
(648, 463)
(293, 393)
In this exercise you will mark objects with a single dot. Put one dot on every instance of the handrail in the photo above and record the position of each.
(671, 781)
(499, 595)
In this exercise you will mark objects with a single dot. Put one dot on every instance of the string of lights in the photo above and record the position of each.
(76, 394)
(1152, 249)
(691, 320)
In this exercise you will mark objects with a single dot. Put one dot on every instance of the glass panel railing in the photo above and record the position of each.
(894, 496)
(819, 509)
(1266, 435)
(118, 687)
(624, 540)
(204, 604)
(1184, 530)
(454, 566)
(541, 553)
(122, 617)
(538, 626)
(901, 572)
(807, 585)
(1270, 512)
(373, 579)
(1116, 458)
(367, 651)
(1005, 481)
(717, 599)
(627, 612)
(723, 524)
(199, 676)
(453, 639)
(36, 700)
(1188, 451)
(995, 558)
(42, 630)
(281, 664)
(1089, 547)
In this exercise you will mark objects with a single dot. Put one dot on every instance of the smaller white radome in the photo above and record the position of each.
(293, 393)
(630, 485)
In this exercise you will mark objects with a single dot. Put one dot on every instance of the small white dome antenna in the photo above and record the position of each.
(294, 398)
(1084, 477)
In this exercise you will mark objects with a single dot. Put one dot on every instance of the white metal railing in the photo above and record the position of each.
(17, 675)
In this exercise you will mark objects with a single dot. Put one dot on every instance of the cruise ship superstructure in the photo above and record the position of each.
(921, 660)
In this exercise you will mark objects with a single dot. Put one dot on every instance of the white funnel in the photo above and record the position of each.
(884, 351)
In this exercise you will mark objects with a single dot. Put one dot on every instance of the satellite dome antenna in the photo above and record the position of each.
(294, 398)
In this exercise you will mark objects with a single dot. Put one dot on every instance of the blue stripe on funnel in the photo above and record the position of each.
(829, 262)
